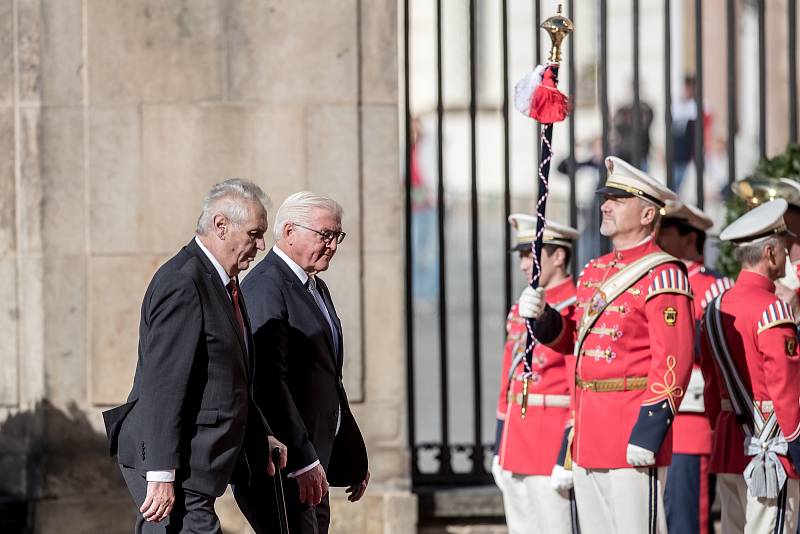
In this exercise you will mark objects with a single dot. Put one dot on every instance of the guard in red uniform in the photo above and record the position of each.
(690, 488)
(633, 334)
(534, 402)
(751, 366)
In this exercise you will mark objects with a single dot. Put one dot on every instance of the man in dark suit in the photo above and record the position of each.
(190, 425)
(299, 355)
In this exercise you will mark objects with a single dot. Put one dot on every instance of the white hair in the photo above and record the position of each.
(298, 208)
(230, 198)
(749, 254)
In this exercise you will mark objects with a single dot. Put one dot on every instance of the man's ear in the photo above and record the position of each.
(559, 257)
(692, 240)
(221, 226)
(648, 215)
(288, 232)
(769, 253)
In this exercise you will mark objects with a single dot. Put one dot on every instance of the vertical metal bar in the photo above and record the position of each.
(700, 130)
(762, 80)
(792, 16)
(668, 149)
(537, 41)
(638, 146)
(730, 35)
(506, 163)
(604, 112)
(412, 436)
(445, 465)
(571, 168)
(537, 47)
(603, 86)
(477, 451)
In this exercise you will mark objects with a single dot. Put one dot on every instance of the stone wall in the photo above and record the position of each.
(115, 117)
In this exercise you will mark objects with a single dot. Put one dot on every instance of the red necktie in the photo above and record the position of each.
(233, 289)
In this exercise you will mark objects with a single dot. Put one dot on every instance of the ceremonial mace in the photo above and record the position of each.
(540, 99)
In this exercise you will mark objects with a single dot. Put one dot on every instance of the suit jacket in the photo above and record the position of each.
(191, 406)
(299, 374)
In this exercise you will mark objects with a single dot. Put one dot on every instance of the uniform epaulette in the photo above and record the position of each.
(719, 286)
(776, 313)
(671, 280)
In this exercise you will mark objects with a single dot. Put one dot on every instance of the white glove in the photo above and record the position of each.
(497, 473)
(639, 456)
(560, 478)
(531, 303)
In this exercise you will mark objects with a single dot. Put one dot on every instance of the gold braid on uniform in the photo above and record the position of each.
(668, 389)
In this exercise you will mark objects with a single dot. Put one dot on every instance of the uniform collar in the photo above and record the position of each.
(753, 279)
(694, 267)
(561, 291)
(635, 252)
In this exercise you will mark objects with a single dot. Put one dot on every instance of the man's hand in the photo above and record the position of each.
(357, 491)
(313, 485)
(639, 456)
(158, 502)
(560, 478)
(531, 303)
(273, 444)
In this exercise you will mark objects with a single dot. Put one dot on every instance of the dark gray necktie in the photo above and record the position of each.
(311, 284)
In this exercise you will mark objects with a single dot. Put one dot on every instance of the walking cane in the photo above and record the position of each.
(280, 502)
(537, 96)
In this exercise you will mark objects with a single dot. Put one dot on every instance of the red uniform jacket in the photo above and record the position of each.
(762, 338)
(530, 446)
(646, 333)
(691, 432)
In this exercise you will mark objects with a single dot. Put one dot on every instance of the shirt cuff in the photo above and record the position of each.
(161, 476)
(303, 470)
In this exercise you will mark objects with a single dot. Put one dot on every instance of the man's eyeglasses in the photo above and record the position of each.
(327, 236)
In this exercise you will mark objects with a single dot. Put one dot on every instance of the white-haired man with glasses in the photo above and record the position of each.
(298, 378)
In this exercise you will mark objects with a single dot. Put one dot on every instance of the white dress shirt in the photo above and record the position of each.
(303, 277)
(169, 475)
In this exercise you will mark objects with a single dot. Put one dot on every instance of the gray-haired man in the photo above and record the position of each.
(299, 357)
(190, 425)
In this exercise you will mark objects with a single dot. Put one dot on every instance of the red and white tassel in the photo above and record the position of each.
(537, 96)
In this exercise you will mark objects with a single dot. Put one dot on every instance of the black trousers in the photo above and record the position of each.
(192, 512)
(259, 505)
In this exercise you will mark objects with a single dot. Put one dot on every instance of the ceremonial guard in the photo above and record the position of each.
(752, 370)
(633, 334)
(690, 488)
(534, 400)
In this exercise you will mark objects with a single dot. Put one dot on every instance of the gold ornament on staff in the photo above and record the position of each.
(557, 27)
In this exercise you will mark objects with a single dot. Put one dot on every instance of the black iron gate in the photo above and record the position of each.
(448, 454)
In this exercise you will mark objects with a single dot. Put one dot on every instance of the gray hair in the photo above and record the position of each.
(750, 254)
(297, 208)
(228, 198)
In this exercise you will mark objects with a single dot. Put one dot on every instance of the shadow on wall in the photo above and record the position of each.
(56, 476)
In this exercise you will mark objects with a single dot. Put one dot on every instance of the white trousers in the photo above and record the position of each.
(741, 512)
(621, 501)
(531, 504)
